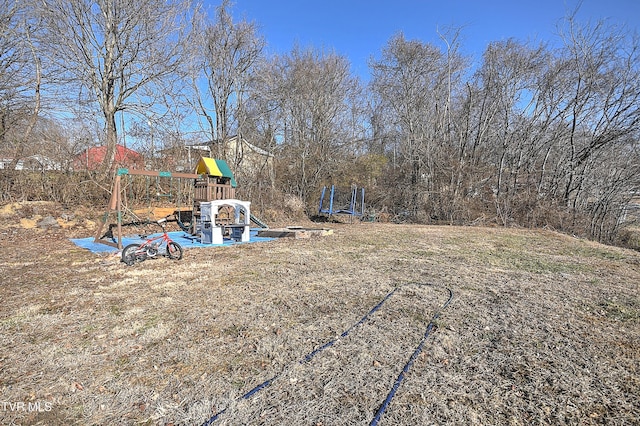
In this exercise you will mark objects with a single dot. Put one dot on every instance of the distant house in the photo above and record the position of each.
(33, 162)
(183, 157)
(245, 147)
(241, 155)
(92, 158)
(250, 159)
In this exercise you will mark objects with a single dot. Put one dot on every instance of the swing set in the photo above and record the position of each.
(163, 186)
(212, 181)
(354, 206)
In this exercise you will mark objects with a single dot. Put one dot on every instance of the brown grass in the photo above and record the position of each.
(543, 329)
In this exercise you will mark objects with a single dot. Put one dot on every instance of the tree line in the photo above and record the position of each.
(533, 134)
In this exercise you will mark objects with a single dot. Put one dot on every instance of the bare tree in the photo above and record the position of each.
(412, 82)
(551, 126)
(20, 79)
(263, 121)
(506, 95)
(302, 105)
(316, 89)
(227, 53)
(601, 93)
(115, 53)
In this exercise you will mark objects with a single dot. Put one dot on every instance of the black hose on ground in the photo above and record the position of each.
(330, 343)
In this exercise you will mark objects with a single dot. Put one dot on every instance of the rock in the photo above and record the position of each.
(48, 222)
(68, 216)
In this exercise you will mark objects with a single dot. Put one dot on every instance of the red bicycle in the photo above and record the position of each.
(161, 245)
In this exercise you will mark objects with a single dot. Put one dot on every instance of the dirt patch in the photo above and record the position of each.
(29, 214)
(543, 329)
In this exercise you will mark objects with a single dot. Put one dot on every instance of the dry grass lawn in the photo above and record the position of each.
(543, 329)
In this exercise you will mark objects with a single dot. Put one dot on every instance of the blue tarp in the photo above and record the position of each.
(186, 240)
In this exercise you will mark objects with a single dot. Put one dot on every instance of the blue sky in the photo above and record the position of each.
(359, 29)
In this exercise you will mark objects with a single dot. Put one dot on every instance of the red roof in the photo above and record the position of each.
(92, 158)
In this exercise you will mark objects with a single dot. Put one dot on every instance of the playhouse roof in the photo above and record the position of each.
(215, 167)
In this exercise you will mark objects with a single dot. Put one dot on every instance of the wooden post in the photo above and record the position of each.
(119, 212)
(115, 204)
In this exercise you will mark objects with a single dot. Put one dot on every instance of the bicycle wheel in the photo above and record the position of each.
(174, 250)
(129, 256)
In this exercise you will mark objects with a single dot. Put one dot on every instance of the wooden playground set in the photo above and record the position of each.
(202, 203)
